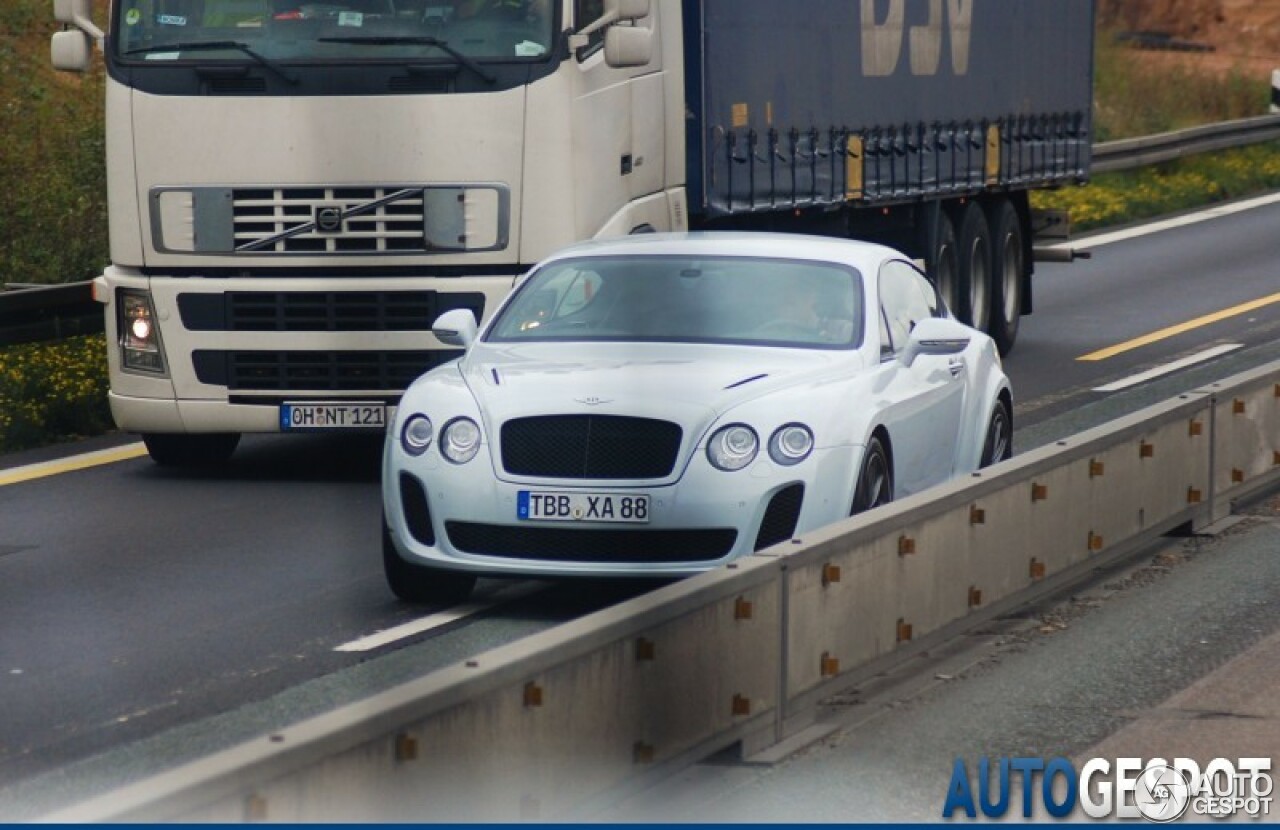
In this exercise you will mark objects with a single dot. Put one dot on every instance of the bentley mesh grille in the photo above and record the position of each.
(590, 447)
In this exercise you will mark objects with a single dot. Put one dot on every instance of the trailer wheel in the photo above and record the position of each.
(190, 450)
(944, 268)
(975, 267)
(1008, 264)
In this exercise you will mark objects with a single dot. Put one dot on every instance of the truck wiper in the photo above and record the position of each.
(414, 40)
(213, 45)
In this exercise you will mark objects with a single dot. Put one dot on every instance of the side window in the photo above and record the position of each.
(906, 297)
(588, 11)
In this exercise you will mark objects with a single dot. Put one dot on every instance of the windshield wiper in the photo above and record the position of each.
(213, 45)
(414, 40)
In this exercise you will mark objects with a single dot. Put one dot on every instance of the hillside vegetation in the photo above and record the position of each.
(53, 228)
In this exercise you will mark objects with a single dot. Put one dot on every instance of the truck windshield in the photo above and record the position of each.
(343, 31)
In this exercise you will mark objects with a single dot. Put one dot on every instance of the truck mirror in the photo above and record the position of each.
(628, 46)
(71, 11)
(77, 13)
(71, 51)
(626, 9)
(614, 12)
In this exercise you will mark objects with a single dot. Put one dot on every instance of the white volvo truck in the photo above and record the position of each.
(297, 190)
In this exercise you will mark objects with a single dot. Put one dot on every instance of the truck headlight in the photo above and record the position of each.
(460, 440)
(139, 338)
(732, 447)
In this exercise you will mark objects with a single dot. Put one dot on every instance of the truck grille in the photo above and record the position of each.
(260, 214)
(321, 310)
(590, 447)
(318, 371)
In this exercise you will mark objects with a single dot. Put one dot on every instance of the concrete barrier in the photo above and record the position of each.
(560, 723)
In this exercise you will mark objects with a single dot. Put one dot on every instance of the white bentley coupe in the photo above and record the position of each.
(663, 404)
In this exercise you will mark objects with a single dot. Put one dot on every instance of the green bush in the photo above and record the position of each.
(1120, 198)
(53, 392)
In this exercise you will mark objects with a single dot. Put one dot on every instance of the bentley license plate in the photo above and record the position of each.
(308, 416)
(583, 507)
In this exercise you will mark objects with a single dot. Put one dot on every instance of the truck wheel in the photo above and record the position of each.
(418, 583)
(169, 450)
(1008, 263)
(944, 268)
(975, 267)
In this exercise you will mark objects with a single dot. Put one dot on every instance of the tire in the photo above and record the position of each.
(419, 583)
(944, 266)
(997, 446)
(209, 450)
(875, 479)
(975, 267)
(1008, 264)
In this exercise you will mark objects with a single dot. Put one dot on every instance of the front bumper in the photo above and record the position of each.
(445, 516)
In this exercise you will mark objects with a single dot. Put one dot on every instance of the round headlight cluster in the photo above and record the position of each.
(733, 447)
(460, 440)
(416, 434)
(790, 444)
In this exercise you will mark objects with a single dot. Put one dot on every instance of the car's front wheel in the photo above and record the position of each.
(419, 583)
(998, 445)
(875, 479)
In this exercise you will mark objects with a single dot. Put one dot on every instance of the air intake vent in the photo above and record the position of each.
(305, 372)
(555, 544)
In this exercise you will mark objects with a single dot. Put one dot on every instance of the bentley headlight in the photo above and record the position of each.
(790, 444)
(732, 447)
(416, 435)
(460, 440)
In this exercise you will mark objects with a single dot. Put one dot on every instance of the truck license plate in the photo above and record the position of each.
(583, 507)
(354, 416)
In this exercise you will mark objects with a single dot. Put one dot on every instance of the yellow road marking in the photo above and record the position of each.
(66, 465)
(1165, 333)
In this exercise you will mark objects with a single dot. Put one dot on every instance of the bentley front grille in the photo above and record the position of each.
(590, 447)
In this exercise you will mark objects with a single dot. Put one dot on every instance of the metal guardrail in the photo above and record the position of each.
(31, 314)
(1131, 153)
(563, 723)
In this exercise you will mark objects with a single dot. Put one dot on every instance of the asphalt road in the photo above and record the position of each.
(148, 615)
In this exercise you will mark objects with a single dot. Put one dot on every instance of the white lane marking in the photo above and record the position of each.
(1169, 368)
(1084, 243)
(427, 623)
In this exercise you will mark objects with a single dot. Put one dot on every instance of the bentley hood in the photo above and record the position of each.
(692, 385)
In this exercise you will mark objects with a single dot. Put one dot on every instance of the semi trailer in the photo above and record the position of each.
(297, 190)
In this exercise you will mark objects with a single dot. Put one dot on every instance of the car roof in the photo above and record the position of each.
(734, 244)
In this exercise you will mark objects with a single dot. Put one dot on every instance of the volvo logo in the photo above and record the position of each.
(593, 400)
(329, 219)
